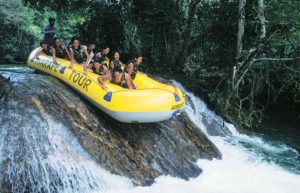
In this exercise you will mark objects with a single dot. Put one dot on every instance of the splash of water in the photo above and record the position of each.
(47, 158)
(50, 159)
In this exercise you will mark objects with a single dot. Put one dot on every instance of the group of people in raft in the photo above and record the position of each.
(113, 70)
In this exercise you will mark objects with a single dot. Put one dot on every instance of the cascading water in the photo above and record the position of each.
(58, 163)
(49, 161)
(47, 158)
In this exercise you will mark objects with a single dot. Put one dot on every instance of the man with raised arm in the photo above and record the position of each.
(49, 31)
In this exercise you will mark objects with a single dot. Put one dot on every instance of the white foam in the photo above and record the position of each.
(235, 173)
(239, 171)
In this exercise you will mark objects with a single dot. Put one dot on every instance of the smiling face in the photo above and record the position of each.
(75, 44)
(139, 60)
(44, 46)
(57, 42)
(106, 51)
(116, 56)
(92, 46)
(117, 76)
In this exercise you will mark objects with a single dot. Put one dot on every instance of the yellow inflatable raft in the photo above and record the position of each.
(151, 101)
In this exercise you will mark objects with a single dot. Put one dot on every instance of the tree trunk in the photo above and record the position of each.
(262, 19)
(187, 34)
(241, 29)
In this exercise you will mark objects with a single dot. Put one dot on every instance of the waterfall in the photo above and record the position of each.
(46, 157)
(49, 158)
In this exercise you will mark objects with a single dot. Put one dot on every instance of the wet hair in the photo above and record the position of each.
(51, 19)
(43, 42)
(118, 70)
(74, 38)
(105, 46)
(137, 55)
(55, 39)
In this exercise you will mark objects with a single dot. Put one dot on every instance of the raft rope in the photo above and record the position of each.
(175, 88)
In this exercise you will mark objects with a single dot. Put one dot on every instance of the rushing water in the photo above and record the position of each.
(253, 164)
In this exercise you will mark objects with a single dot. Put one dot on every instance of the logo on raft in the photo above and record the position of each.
(45, 64)
(174, 107)
(76, 77)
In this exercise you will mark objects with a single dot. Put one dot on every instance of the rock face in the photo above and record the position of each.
(4, 87)
(140, 152)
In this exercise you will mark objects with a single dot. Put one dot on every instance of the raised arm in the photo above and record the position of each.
(128, 81)
(51, 31)
(103, 78)
(88, 59)
(68, 53)
(53, 55)
(130, 68)
(105, 69)
(38, 53)
(72, 58)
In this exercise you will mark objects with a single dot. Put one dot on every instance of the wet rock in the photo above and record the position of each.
(5, 86)
(215, 127)
(141, 152)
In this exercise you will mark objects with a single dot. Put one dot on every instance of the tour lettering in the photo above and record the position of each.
(80, 79)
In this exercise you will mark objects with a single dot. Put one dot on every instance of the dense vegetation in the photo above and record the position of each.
(244, 54)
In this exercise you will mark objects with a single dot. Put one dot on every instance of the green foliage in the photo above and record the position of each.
(17, 32)
(173, 38)
(21, 27)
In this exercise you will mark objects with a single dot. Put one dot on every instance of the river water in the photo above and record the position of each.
(267, 161)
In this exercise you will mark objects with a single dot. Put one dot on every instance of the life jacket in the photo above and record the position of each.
(60, 52)
(48, 51)
(101, 70)
(117, 65)
(122, 83)
(134, 70)
(92, 54)
(105, 59)
(78, 54)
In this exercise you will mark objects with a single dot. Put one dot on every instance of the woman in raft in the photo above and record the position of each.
(48, 50)
(115, 63)
(61, 50)
(79, 54)
(118, 77)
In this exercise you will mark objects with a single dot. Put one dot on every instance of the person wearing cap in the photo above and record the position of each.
(49, 31)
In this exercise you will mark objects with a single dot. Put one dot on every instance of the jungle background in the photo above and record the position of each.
(241, 56)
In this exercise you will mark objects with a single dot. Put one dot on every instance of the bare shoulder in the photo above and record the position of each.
(127, 76)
